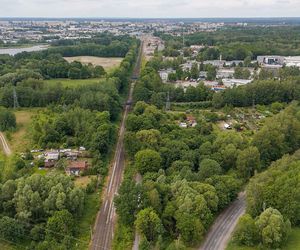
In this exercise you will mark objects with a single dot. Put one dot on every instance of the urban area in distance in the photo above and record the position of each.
(150, 132)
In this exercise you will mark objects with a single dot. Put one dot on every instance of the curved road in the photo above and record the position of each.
(220, 232)
(4, 144)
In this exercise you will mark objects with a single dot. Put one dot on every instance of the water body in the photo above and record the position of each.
(14, 51)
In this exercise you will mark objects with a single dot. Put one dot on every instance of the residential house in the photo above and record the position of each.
(225, 73)
(164, 74)
(49, 164)
(216, 63)
(191, 120)
(52, 156)
(188, 65)
(71, 155)
(76, 167)
(51, 159)
(229, 83)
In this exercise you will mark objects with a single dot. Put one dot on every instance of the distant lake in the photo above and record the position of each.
(14, 51)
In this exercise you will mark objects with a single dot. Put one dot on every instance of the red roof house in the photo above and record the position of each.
(76, 167)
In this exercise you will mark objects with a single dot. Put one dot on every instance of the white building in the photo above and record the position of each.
(233, 63)
(188, 65)
(183, 125)
(216, 63)
(292, 61)
(270, 60)
(164, 74)
(229, 83)
(225, 73)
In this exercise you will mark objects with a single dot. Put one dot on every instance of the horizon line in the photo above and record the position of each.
(78, 17)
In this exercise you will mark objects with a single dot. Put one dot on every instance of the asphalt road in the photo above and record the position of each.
(5, 146)
(219, 234)
(104, 225)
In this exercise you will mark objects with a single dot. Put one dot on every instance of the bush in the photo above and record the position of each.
(246, 232)
(7, 120)
(10, 229)
(148, 161)
(273, 229)
(91, 187)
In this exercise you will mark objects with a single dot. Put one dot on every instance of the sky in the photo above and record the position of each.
(150, 8)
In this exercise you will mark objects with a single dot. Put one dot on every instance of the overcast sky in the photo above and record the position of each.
(149, 8)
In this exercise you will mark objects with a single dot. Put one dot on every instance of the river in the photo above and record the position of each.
(14, 51)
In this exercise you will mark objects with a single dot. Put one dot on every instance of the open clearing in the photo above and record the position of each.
(83, 181)
(19, 140)
(106, 62)
(65, 82)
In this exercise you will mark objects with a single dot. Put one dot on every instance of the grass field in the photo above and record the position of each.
(86, 222)
(293, 243)
(106, 62)
(72, 82)
(83, 181)
(294, 240)
(19, 140)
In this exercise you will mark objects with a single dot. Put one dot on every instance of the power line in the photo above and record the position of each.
(168, 103)
(16, 103)
(49, 230)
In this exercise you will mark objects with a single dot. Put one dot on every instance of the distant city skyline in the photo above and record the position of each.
(149, 9)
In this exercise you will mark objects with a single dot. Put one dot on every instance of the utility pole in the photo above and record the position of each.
(16, 103)
(183, 36)
(168, 103)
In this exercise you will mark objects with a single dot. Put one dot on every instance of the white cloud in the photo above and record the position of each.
(149, 8)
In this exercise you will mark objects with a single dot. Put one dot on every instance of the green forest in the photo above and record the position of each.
(239, 43)
(40, 208)
(190, 175)
(189, 152)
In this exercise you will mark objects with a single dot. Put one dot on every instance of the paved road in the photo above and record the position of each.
(219, 234)
(4, 144)
(103, 230)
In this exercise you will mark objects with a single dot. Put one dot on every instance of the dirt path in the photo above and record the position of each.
(4, 144)
(136, 243)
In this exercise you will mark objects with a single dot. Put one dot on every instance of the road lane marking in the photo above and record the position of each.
(108, 214)
(105, 205)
